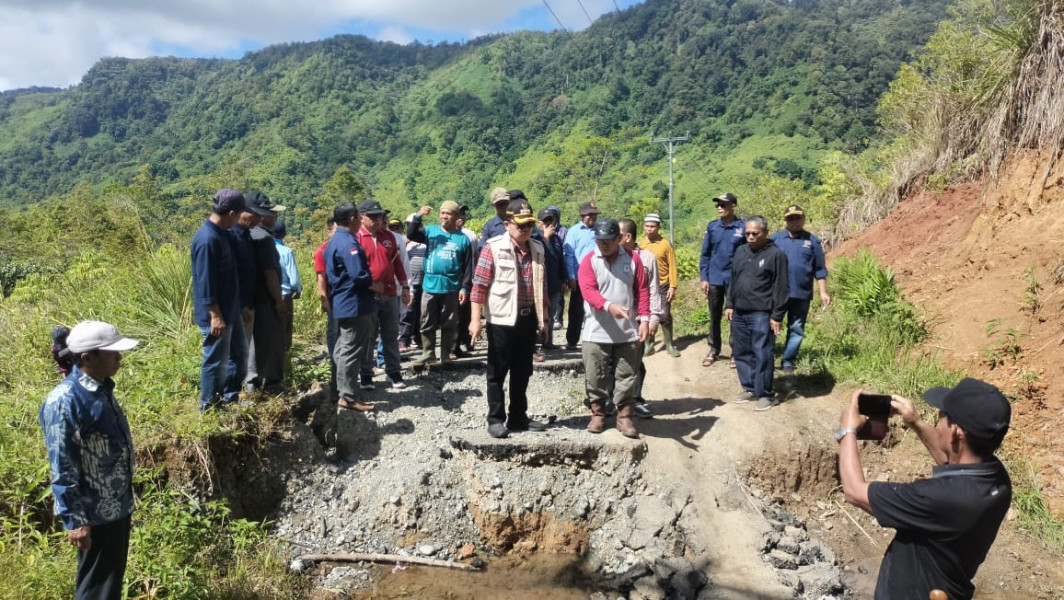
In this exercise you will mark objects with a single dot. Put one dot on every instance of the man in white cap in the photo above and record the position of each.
(90, 452)
(668, 279)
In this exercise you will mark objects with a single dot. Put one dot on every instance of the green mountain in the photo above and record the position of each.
(762, 86)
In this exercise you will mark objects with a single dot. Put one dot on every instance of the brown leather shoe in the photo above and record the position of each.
(354, 405)
(624, 422)
(598, 418)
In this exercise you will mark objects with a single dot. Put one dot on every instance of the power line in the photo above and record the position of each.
(556, 19)
(586, 14)
(615, 5)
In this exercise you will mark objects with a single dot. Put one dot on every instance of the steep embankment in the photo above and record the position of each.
(984, 261)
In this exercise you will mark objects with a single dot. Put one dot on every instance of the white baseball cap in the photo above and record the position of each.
(87, 336)
(652, 218)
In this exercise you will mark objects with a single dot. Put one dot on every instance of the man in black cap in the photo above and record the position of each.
(722, 237)
(266, 338)
(386, 266)
(617, 323)
(509, 280)
(579, 242)
(557, 276)
(946, 524)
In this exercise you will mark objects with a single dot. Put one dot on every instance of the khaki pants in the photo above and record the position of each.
(616, 364)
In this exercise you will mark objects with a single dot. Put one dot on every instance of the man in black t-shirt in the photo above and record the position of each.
(945, 524)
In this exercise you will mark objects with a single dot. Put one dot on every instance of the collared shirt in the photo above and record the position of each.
(494, 227)
(349, 276)
(214, 274)
(385, 262)
(484, 274)
(805, 261)
(946, 525)
(718, 247)
(579, 242)
(665, 255)
(90, 451)
(290, 281)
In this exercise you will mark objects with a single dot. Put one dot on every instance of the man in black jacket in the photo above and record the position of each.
(757, 301)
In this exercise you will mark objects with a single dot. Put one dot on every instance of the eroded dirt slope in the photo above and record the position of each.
(984, 253)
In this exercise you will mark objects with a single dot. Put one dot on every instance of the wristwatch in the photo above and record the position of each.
(841, 433)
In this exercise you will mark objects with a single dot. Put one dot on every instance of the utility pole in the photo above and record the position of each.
(670, 144)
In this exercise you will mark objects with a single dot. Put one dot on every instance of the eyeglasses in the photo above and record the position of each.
(752, 233)
(794, 218)
(524, 226)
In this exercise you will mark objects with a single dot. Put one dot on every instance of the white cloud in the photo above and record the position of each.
(54, 42)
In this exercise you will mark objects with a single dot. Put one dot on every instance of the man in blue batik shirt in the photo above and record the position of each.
(90, 453)
(291, 283)
(722, 237)
(805, 260)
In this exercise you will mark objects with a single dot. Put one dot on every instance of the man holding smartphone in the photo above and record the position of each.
(946, 524)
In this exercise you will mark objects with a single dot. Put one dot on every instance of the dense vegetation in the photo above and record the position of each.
(764, 87)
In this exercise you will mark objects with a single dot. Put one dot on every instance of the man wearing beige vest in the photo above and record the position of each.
(510, 281)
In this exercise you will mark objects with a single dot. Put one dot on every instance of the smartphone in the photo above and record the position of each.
(877, 408)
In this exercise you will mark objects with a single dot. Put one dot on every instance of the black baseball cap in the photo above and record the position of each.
(980, 409)
(607, 229)
(258, 203)
(372, 208)
(588, 208)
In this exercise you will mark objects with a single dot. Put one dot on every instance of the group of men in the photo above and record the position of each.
(946, 524)
(754, 280)
(244, 279)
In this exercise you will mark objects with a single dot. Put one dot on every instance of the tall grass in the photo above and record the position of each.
(183, 547)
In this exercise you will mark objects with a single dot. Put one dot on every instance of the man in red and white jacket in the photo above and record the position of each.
(386, 267)
(616, 323)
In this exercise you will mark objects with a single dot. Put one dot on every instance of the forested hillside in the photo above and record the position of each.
(764, 87)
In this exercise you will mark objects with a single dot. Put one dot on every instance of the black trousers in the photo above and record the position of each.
(576, 317)
(510, 352)
(465, 313)
(102, 567)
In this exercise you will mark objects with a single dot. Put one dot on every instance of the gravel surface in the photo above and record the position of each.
(419, 476)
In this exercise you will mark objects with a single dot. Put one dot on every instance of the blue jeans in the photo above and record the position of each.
(797, 312)
(215, 368)
(752, 343)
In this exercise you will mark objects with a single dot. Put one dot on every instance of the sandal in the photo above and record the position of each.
(709, 360)
(354, 405)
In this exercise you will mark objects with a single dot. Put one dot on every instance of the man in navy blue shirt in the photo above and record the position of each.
(216, 298)
(352, 288)
(496, 226)
(946, 524)
(722, 237)
(805, 263)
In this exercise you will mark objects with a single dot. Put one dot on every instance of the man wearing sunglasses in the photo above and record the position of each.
(757, 301)
(510, 279)
(386, 267)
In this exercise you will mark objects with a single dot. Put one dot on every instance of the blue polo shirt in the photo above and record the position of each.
(718, 248)
(349, 277)
(579, 242)
(214, 274)
(805, 260)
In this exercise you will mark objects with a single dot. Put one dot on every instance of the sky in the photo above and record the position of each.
(54, 42)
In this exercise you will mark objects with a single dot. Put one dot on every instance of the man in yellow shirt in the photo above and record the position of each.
(667, 279)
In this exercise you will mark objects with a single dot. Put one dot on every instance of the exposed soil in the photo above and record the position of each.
(967, 256)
